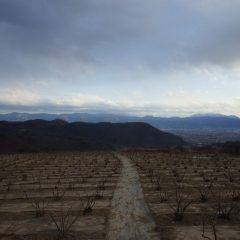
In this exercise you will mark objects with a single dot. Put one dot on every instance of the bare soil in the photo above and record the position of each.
(130, 217)
(177, 180)
(127, 195)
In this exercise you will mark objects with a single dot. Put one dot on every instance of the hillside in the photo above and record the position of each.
(59, 135)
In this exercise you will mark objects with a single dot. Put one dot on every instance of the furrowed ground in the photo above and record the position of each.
(191, 195)
(57, 196)
(132, 195)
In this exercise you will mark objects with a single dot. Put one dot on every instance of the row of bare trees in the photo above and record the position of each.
(47, 182)
(184, 180)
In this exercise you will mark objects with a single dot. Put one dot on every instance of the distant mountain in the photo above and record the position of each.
(59, 135)
(196, 122)
(200, 121)
(71, 117)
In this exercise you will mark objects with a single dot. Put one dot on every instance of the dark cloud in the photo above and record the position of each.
(68, 40)
(39, 37)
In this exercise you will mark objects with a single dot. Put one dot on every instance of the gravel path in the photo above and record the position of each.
(130, 217)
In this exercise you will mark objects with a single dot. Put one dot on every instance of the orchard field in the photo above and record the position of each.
(191, 195)
(167, 195)
(63, 195)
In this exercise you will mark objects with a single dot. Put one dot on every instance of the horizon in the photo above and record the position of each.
(162, 58)
(122, 114)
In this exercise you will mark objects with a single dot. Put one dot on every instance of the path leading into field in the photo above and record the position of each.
(130, 217)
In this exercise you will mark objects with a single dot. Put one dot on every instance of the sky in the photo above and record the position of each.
(137, 57)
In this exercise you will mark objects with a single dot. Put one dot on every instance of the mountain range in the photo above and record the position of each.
(59, 135)
(208, 121)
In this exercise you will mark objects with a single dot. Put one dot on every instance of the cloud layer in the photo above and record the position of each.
(58, 49)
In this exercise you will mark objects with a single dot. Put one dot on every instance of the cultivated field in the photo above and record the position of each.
(130, 195)
(56, 196)
(191, 195)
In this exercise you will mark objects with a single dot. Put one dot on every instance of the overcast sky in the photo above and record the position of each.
(154, 57)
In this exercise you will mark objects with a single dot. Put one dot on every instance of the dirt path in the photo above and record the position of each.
(130, 217)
